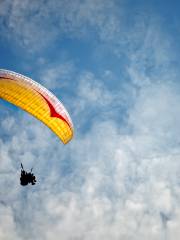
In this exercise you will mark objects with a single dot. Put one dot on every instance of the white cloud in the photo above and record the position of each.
(108, 183)
(151, 57)
(56, 77)
(34, 24)
(93, 90)
(92, 100)
(7, 225)
(157, 112)
(116, 190)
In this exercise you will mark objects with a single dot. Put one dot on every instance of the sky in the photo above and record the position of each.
(115, 66)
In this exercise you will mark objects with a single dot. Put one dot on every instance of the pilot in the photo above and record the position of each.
(27, 178)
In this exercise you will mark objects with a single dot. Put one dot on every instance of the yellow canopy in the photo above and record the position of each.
(38, 101)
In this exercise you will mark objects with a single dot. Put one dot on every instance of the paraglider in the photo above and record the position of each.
(35, 99)
(27, 178)
(38, 101)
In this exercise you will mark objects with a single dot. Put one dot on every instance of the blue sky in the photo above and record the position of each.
(115, 66)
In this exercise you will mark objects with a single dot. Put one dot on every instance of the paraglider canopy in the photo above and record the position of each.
(38, 101)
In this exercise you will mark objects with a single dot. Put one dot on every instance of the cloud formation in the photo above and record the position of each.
(29, 22)
(119, 186)
(119, 177)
